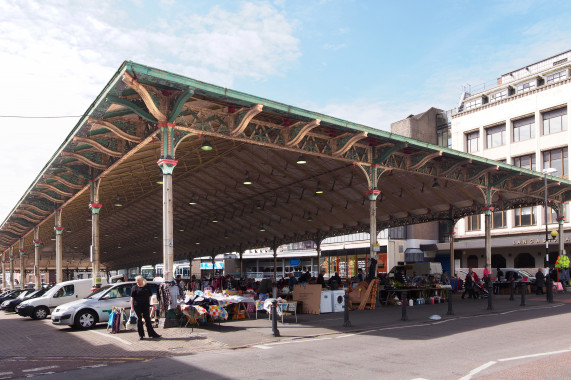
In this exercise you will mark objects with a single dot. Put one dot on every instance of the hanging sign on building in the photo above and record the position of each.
(294, 262)
(206, 266)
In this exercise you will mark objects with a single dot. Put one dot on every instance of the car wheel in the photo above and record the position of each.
(40, 312)
(85, 319)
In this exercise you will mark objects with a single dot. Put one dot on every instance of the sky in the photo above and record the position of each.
(372, 62)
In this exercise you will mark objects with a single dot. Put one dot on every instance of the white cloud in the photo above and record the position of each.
(58, 55)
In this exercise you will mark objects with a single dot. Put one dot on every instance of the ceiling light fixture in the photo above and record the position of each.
(262, 228)
(436, 185)
(118, 202)
(247, 180)
(301, 160)
(206, 145)
(319, 190)
(309, 218)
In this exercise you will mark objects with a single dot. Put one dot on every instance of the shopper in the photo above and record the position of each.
(321, 279)
(292, 281)
(140, 303)
(539, 281)
(469, 285)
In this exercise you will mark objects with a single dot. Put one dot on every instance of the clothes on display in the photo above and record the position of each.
(164, 298)
(117, 318)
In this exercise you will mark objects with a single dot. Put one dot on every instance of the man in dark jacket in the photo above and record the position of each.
(539, 281)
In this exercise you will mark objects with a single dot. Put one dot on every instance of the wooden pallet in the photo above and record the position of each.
(369, 301)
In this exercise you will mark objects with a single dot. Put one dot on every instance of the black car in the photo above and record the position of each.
(11, 294)
(10, 305)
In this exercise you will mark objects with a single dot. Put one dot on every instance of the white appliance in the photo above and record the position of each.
(326, 305)
(337, 300)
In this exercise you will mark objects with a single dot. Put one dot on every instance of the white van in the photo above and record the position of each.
(64, 292)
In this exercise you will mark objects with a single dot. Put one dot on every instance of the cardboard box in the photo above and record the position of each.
(310, 295)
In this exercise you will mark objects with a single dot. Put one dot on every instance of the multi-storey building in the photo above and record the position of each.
(522, 120)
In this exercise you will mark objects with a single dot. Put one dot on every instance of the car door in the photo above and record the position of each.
(118, 296)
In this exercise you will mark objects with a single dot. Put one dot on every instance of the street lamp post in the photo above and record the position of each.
(548, 284)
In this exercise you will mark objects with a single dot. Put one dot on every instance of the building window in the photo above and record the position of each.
(495, 97)
(472, 104)
(525, 87)
(526, 162)
(556, 159)
(551, 215)
(472, 142)
(496, 136)
(556, 77)
(473, 223)
(443, 137)
(524, 216)
(555, 121)
(499, 219)
(524, 129)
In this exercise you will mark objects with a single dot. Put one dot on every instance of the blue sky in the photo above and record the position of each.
(372, 62)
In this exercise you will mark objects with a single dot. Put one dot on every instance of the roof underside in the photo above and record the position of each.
(119, 143)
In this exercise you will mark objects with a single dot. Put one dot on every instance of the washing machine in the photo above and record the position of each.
(337, 300)
(326, 305)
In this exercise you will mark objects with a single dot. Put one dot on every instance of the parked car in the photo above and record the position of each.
(86, 313)
(64, 292)
(516, 274)
(10, 305)
(11, 294)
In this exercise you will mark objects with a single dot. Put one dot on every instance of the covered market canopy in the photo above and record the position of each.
(148, 134)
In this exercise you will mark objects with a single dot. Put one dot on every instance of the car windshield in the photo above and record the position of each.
(37, 293)
(525, 273)
(98, 292)
(23, 294)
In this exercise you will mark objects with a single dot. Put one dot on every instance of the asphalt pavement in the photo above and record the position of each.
(37, 347)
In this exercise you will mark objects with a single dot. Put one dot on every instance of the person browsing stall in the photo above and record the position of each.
(321, 279)
(140, 303)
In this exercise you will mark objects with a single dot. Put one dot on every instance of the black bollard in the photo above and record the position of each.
(512, 286)
(404, 301)
(490, 293)
(275, 330)
(450, 311)
(549, 288)
(522, 294)
(346, 322)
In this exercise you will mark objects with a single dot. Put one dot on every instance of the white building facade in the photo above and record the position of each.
(521, 121)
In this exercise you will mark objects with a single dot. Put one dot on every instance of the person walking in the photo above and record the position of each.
(469, 285)
(140, 303)
(539, 281)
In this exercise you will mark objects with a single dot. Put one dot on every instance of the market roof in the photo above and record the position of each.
(118, 142)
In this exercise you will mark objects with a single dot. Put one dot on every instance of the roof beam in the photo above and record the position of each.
(53, 188)
(116, 130)
(303, 132)
(250, 114)
(145, 96)
(84, 159)
(352, 141)
(63, 181)
(97, 146)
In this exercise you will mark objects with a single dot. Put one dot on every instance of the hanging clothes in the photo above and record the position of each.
(164, 298)
(174, 293)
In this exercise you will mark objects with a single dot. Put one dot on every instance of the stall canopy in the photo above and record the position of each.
(239, 180)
